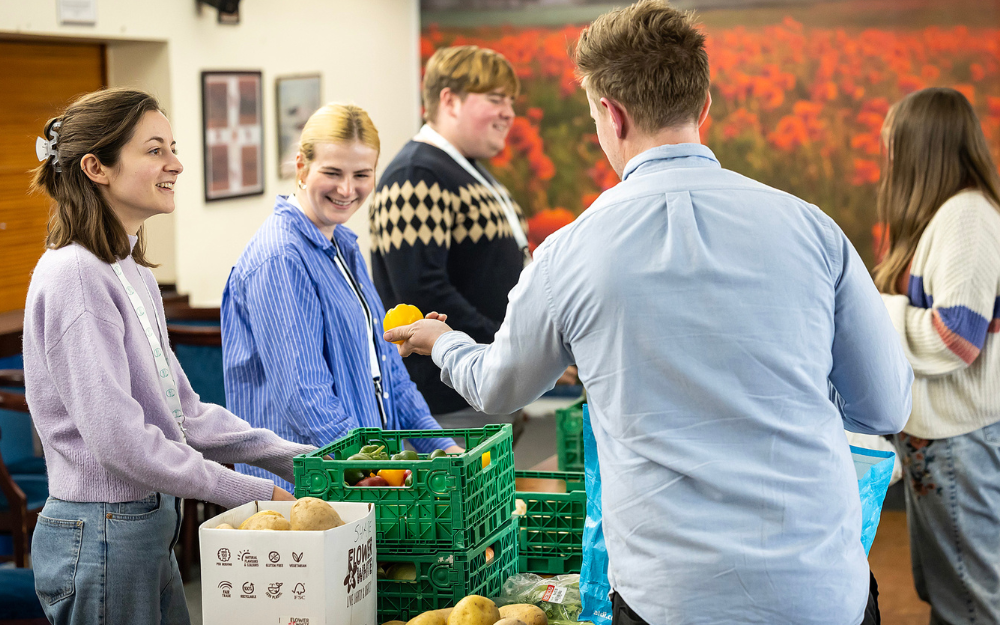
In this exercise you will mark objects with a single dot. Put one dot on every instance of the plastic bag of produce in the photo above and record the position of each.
(558, 597)
(594, 586)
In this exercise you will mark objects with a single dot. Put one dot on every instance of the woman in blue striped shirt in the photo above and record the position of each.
(301, 320)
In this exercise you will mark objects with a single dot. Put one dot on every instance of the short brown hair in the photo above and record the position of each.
(466, 69)
(936, 148)
(651, 59)
(98, 123)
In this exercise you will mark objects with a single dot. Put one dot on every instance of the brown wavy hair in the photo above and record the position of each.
(98, 123)
(934, 148)
(650, 58)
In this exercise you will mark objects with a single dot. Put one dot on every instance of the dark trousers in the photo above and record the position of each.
(621, 614)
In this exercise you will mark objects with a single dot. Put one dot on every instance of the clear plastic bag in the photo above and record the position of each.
(558, 597)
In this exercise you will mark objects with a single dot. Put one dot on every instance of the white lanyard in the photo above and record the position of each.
(162, 366)
(434, 138)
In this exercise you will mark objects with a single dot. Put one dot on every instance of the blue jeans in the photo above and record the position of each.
(109, 563)
(953, 513)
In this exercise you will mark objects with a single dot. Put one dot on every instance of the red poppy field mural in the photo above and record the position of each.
(797, 107)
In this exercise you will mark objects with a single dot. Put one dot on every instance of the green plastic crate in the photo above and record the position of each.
(550, 539)
(443, 578)
(454, 503)
(569, 437)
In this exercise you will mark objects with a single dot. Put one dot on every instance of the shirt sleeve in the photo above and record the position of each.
(959, 283)
(525, 359)
(869, 370)
(91, 364)
(417, 265)
(283, 311)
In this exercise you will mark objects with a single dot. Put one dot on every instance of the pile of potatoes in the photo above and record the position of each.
(308, 514)
(476, 610)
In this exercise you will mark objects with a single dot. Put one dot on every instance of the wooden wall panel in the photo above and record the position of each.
(37, 81)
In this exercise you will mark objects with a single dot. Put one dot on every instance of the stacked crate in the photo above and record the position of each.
(453, 524)
(569, 437)
(550, 535)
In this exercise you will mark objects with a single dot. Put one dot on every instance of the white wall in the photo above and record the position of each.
(366, 50)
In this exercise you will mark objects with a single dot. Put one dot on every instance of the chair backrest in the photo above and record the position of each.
(17, 442)
(199, 350)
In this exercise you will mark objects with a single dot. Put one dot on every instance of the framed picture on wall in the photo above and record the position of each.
(233, 129)
(298, 97)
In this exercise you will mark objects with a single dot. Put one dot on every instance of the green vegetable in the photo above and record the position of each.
(438, 453)
(406, 454)
(374, 452)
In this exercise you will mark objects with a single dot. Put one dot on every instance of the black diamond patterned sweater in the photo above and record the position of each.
(441, 242)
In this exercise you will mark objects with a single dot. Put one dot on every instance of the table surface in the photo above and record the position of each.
(532, 485)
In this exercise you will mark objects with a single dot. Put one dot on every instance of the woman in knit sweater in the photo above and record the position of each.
(940, 197)
(125, 436)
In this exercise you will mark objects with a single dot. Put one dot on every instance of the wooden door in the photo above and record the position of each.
(37, 81)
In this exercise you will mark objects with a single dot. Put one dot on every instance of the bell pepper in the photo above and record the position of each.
(401, 315)
(406, 454)
(438, 453)
(395, 477)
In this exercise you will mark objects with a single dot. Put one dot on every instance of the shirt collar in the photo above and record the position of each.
(673, 155)
(287, 206)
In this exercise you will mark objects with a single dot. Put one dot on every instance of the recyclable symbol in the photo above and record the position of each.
(247, 588)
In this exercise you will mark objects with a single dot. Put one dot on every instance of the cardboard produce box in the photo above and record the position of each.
(265, 577)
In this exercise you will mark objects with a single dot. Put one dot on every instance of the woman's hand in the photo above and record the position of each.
(418, 337)
(454, 449)
(280, 494)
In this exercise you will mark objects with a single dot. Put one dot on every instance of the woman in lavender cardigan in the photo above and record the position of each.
(125, 436)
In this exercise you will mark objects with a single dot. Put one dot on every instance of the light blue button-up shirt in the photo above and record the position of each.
(295, 344)
(708, 314)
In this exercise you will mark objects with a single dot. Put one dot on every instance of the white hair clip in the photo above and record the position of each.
(44, 149)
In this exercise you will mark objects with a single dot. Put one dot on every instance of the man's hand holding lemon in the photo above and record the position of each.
(411, 331)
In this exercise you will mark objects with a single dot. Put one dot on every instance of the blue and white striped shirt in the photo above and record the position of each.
(295, 345)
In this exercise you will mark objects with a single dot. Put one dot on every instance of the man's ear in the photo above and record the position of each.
(447, 100)
(704, 109)
(619, 118)
(94, 170)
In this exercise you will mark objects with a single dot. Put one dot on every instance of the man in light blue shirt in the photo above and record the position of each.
(708, 314)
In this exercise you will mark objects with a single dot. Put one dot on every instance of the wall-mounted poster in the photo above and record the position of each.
(298, 97)
(233, 126)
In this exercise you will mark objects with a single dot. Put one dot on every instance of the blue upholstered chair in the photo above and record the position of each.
(19, 604)
(22, 495)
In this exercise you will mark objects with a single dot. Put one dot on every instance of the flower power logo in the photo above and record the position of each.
(359, 565)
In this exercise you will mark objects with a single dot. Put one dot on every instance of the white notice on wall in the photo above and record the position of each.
(77, 12)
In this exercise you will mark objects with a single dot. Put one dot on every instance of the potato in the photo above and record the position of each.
(427, 618)
(520, 508)
(224, 526)
(394, 623)
(510, 621)
(312, 514)
(445, 612)
(527, 613)
(266, 520)
(474, 610)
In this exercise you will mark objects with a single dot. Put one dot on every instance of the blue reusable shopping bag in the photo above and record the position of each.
(594, 586)
(874, 469)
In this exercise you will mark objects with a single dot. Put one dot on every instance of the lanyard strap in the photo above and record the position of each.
(433, 137)
(373, 364)
(162, 366)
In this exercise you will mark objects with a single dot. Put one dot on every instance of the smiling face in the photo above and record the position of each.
(142, 183)
(337, 182)
(480, 122)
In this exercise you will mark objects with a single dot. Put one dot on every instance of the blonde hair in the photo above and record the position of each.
(651, 59)
(465, 70)
(935, 148)
(98, 123)
(337, 123)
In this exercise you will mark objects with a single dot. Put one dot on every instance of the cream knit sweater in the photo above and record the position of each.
(949, 321)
